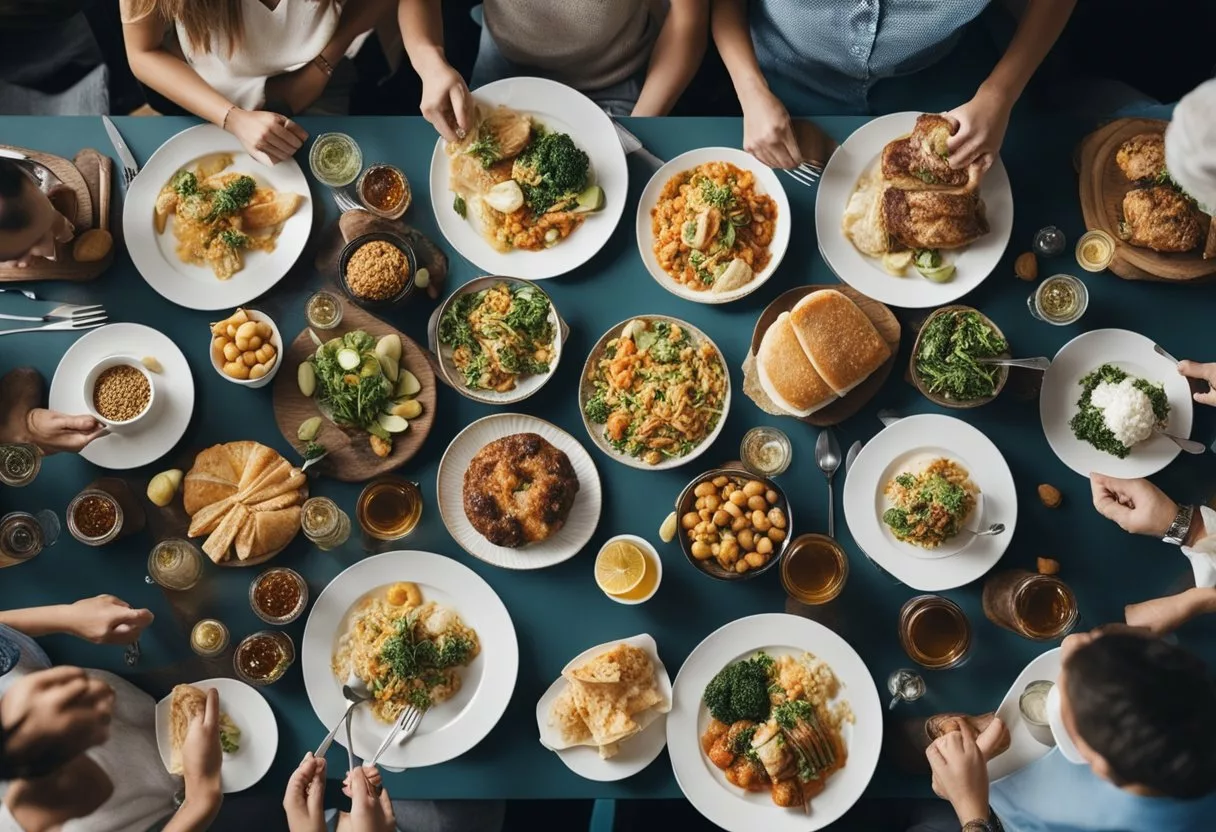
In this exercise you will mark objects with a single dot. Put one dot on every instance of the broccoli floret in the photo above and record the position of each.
(185, 183)
(552, 170)
(454, 651)
(740, 691)
(597, 409)
(232, 197)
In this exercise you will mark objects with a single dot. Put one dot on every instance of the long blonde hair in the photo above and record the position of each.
(202, 20)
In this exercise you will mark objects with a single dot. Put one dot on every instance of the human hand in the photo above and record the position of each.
(1203, 372)
(960, 774)
(299, 88)
(446, 102)
(304, 801)
(980, 127)
(202, 755)
(371, 808)
(50, 717)
(268, 137)
(768, 133)
(53, 431)
(1137, 506)
(107, 620)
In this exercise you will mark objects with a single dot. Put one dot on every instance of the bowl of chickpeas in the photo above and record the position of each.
(733, 524)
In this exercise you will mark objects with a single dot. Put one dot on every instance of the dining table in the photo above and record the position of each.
(558, 612)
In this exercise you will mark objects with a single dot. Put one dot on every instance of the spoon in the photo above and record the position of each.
(827, 457)
(1188, 445)
(1160, 350)
(308, 463)
(991, 531)
(1040, 363)
(356, 694)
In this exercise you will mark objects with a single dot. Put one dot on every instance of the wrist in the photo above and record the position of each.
(998, 93)
(230, 118)
(970, 809)
(200, 811)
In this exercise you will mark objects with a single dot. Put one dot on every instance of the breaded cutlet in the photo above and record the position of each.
(933, 219)
(1142, 156)
(1160, 218)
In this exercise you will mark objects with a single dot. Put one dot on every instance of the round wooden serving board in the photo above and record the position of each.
(1103, 187)
(350, 457)
(884, 321)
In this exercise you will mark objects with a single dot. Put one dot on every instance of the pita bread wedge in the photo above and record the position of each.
(218, 542)
(188, 702)
(785, 373)
(270, 214)
(840, 340)
(209, 517)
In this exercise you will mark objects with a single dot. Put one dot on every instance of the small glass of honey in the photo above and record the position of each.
(814, 569)
(263, 658)
(384, 190)
(389, 508)
(278, 595)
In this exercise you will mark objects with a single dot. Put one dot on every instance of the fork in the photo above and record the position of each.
(70, 324)
(807, 173)
(407, 723)
(344, 200)
(66, 310)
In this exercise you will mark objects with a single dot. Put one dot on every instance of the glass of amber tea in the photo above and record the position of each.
(1035, 606)
(389, 508)
(814, 569)
(935, 632)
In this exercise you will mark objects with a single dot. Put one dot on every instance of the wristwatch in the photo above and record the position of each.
(990, 824)
(1181, 527)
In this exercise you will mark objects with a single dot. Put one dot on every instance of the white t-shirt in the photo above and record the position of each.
(143, 790)
(1190, 144)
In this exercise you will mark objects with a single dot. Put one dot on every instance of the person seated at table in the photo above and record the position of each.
(632, 57)
(1190, 157)
(1140, 717)
(225, 60)
(30, 222)
(120, 785)
(50, 717)
(372, 810)
(816, 58)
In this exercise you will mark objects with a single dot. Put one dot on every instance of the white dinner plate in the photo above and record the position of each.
(857, 155)
(907, 445)
(156, 435)
(705, 785)
(766, 183)
(154, 255)
(569, 539)
(1134, 354)
(635, 753)
(450, 728)
(558, 108)
(250, 713)
(1023, 749)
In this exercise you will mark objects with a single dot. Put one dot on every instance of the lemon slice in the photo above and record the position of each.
(619, 567)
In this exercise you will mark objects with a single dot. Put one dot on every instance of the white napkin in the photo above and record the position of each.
(1190, 144)
(1203, 556)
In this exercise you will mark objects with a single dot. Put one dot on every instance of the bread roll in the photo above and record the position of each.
(840, 340)
(786, 374)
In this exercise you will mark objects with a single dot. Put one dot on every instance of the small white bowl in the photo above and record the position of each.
(276, 341)
(90, 381)
(654, 560)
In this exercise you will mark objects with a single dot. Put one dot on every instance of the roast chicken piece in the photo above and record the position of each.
(1160, 218)
(1142, 156)
(921, 161)
(933, 219)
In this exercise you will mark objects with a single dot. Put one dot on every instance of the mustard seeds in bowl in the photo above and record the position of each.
(121, 393)
(377, 269)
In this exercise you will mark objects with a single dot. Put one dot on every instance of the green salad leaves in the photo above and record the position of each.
(946, 358)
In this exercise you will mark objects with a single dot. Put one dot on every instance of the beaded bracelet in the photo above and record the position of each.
(324, 65)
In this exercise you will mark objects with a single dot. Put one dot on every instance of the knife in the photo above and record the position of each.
(120, 147)
(632, 144)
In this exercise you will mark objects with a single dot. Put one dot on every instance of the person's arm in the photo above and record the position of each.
(101, 620)
(268, 137)
(1164, 615)
(982, 121)
(446, 102)
(677, 55)
(767, 132)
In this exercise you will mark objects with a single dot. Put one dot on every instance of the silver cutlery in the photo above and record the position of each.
(1157, 348)
(59, 326)
(350, 745)
(991, 531)
(1188, 445)
(827, 457)
(132, 653)
(66, 310)
(407, 723)
(25, 292)
(355, 699)
(1041, 363)
(344, 200)
(130, 168)
(851, 456)
(888, 417)
(633, 145)
(308, 463)
(807, 173)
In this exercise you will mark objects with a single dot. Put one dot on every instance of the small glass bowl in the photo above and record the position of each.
(406, 198)
(296, 611)
(286, 645)
(757, 438)
(397, 242)
(210, 653)
(100, 540)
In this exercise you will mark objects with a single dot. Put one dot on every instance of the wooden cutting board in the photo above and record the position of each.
(89, 180)
(884, 321)
(350, 456)
(1103, 187)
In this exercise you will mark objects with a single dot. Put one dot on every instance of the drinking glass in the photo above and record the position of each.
(175, 564)
(1040, 300)
(934, 632)
(1037, 607)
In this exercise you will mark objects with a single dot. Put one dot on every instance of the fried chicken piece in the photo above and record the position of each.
(933, 219)
(1142, 156)
(1160, 218)
(519, 489)
(921, 161)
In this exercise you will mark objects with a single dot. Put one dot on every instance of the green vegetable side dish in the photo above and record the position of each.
(498, 335)
(1088, 423)
(946, 362)
(411, 656)
(552, 171)
(931, 507)
(741, 691)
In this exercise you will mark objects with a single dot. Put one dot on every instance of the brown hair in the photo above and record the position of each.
(200, 19)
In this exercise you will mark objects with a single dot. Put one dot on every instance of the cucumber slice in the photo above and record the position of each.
(941, 274)
(391, 423)
(592, 199)
(348, 359)
(408, 384)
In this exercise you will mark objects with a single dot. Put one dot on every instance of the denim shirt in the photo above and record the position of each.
(839, 49)
(1053, 795)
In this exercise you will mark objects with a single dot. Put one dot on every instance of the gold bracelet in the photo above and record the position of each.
(228, 112)
(324, 65)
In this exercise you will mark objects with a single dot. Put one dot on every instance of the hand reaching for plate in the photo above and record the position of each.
(768, 133)
(980, 127)
(268, 137)
(1202, 372)
(371, 809)
(304, 801)
(1137, 506)
(446, 102)
(107, 620)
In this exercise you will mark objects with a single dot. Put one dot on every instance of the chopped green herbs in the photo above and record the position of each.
(946, 358)
(1089, 424)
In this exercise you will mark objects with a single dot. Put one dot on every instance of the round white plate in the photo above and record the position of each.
(450, 728)
(635, 753)
(562, 109)
(525, 386)
(596, 432)
(156, 435)
(1134, 354)
(907, 445)
(570, 538)
(766, 183)
(859, 153)
(251, 713)
(705, 785)
(154, 255)
(1023, 749)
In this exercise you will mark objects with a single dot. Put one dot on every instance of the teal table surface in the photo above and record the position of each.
(559, 611)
